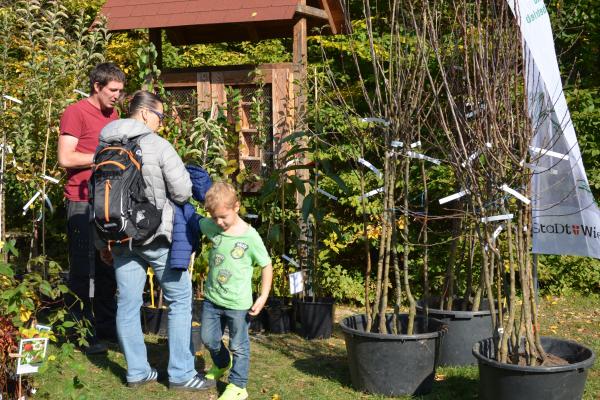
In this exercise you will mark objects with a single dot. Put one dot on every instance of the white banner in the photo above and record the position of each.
(566, 219)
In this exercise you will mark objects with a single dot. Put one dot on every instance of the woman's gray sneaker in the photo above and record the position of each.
(152, 377)
(198, 382)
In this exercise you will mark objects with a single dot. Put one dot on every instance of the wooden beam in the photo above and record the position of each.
(300, 60)
(252, 33)
(156, 38)
(332, 24)
(308, 11)
(203, 92)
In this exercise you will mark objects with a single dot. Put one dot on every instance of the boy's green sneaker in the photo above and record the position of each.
(215, 373)
(233, 392)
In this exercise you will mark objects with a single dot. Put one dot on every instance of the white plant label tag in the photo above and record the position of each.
(372, 193)
(538, 169)
(49, 178)
(548, 153)
(84, 94)
(327, 194)
(420, 156)
(515, 194)
(371, 167)
(376, 120)
(13, 99)
(454, 196)
(30, 202)
(296, 282)
(493, 218)
(290, 260)
(497, 232)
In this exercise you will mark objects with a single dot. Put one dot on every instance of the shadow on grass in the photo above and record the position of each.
(157, 350)
(322, 358)
(327, 359)
(454, 388)
(103, 361)
(333, 368)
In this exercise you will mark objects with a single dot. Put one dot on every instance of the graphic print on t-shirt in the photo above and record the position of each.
(216, 240)
(238, 250)
(218, 259)
(223, 277)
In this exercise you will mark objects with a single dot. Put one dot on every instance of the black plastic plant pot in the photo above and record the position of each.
(260, 322)
(314, 319)
(197, 340)
(155, 320)
(197, 305)
(393, 365)
(500, 381)
(279, 318)
(465, 328)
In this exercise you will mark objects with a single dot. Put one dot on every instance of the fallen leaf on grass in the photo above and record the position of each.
(440, 377)
(276, 397)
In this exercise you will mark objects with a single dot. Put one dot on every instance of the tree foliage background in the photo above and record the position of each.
(46, 51)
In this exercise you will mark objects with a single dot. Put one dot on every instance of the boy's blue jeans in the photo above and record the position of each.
(214, 320)
(130, 269)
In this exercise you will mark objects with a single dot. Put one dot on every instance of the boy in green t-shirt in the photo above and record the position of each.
(236, 249)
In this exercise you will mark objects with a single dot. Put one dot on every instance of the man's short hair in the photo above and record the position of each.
(104, 73)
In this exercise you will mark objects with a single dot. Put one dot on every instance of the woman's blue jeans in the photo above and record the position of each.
(130, 270)
(214, 320)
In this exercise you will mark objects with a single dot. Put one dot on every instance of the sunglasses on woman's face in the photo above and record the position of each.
(160, 116)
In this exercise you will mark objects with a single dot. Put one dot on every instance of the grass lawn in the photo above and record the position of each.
(288, 367)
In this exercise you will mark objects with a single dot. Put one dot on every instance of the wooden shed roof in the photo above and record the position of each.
(200, 21)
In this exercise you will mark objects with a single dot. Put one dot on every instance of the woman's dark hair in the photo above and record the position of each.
(105, 73)
(143, 99)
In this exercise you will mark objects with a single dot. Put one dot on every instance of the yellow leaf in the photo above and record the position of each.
(401, 223)
(24, 314)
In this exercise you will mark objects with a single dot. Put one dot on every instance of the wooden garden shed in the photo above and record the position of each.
(216, 21)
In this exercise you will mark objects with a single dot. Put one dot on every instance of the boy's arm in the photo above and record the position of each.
(265, 288)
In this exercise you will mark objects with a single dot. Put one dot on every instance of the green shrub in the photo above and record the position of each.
(559, 274)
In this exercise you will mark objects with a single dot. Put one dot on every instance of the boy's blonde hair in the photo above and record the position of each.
(220, 193)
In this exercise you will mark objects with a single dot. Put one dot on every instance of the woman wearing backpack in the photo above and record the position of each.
(166, 180)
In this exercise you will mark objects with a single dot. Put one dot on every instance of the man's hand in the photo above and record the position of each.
(258, 305)
(106, 256)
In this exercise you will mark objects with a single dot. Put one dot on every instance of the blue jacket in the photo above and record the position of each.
(186, 222)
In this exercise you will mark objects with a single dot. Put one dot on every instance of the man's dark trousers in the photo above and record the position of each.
(85, 263)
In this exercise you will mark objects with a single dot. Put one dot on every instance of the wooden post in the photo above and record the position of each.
(300, 67)
(156, 39)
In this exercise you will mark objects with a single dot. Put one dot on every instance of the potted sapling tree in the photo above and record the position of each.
(517, 118)
(390, 352)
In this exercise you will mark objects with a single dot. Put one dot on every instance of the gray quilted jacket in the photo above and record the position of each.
(164, 173)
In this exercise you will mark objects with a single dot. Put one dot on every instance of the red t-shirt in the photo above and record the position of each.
(83, 121)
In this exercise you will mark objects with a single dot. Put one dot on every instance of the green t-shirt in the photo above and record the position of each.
(231, 261)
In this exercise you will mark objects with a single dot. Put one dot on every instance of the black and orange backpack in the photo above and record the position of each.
(122, 213)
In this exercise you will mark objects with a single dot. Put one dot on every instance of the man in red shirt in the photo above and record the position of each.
(90, 279)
